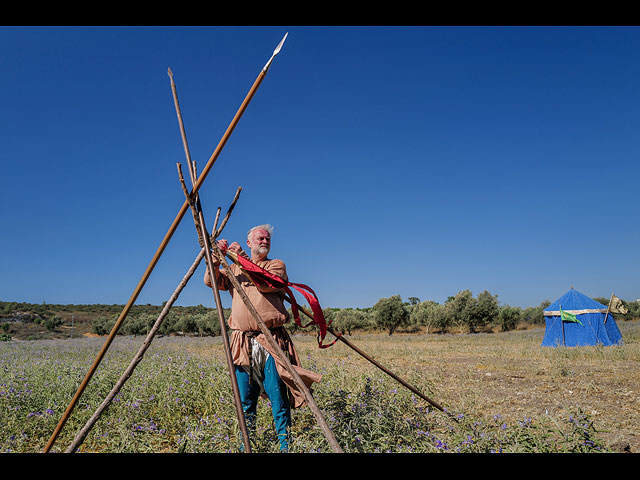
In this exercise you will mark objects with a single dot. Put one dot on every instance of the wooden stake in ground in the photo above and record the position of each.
(161, 248)
(81, 435)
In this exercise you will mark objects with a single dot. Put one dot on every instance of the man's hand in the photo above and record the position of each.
(234, 247)
(222, 244)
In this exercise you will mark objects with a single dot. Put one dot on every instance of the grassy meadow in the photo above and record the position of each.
(503, 392)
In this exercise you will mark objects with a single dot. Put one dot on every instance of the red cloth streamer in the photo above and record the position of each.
(263, 278)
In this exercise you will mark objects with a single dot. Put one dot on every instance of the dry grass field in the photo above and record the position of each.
(510, 375)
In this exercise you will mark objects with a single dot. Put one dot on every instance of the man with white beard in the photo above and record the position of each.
(258, 369)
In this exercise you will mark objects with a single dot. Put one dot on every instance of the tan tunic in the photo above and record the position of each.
(270, 305)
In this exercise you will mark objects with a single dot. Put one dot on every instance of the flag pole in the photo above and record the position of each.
(161, 247)
(562, 325)
(608, 308)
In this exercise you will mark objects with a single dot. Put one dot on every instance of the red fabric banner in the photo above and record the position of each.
(263, 278)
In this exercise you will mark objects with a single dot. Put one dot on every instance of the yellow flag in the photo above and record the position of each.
(616, 306)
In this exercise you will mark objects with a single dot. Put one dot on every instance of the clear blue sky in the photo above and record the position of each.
(417, 161)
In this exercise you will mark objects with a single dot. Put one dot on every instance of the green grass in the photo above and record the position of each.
(179, 399)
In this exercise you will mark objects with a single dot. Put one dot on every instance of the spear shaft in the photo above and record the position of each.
(376, 363)
(201, 230)
(372, 360)
(161, 248)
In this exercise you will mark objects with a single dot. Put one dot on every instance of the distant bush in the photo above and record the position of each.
(52, 323)
(509, 317)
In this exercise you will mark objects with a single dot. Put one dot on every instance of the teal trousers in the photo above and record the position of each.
(278, 396)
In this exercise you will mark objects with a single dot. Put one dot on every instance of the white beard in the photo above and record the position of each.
(261, 251)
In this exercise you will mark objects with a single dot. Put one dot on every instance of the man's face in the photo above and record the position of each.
(260, 243)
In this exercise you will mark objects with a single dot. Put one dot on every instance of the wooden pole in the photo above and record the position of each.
(386, 370)
(201, 230)
(374, 362)
(199, 222)
(160, 250)
(227, 346)
(608, 308)
(152, 333)
(77, 441)
(562, 325)
(377, 364)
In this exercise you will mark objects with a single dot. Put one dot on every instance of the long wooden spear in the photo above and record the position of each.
(387, 371)
(376, 363)
(372, 360)
(161, 247)
(84, 431)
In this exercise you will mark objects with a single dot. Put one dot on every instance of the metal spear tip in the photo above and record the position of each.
(275, 52)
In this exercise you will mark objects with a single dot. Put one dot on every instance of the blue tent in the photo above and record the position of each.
(591, 328)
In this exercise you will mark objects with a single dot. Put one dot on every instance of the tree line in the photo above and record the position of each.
(460, 312)
(44, 309)
(175, 323)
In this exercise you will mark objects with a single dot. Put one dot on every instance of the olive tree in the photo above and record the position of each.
(464, 310)
(429, 314)
(535, 315)
(348, 320)
(509, 317)
(459, 308)
(390, 313)
(486, 310)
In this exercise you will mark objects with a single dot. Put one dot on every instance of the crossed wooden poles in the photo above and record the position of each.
(208, 246)
(162, 246)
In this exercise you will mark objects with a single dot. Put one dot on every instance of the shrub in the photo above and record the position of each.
(509, 317)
